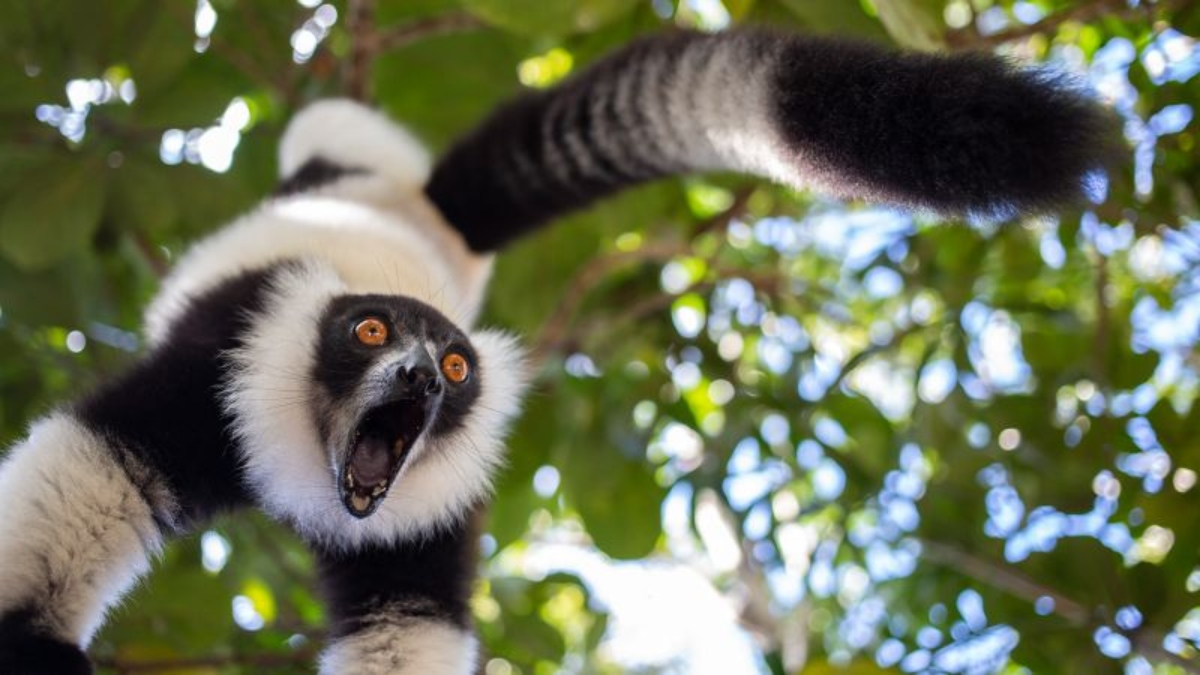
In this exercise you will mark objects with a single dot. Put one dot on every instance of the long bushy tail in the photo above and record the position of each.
(965, 134)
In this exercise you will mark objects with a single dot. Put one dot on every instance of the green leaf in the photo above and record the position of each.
(916, 24)
(871, 436)
(163, 49)
(846, 18)
(53, 213)
(194, 97)
(535, 17)
(618, 500)
(141, 198)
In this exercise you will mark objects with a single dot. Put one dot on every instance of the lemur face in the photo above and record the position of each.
(393, 376)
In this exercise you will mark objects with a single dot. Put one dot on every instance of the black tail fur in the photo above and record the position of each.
(963, 134)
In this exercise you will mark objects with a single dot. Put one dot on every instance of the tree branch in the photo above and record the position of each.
(555, 328)
(364, 47)
(367, 42)
(969, 38)
(1103, 324)
(871, 350)
(151, 254)
(413, 31)
(720, 222)
(1150, 644)
(1004, 578)
(236, 57)
(256, 661)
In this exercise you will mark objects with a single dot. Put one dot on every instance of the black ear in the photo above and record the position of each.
(957, 133)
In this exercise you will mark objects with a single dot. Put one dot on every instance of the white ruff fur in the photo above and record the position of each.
(364, 233)
(75, 532)
(294, 474)
(403, 646)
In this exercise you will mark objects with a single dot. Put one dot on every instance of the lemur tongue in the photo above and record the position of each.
(370, 464)
(368, 473)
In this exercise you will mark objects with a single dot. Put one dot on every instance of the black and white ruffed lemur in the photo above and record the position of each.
(317, 358)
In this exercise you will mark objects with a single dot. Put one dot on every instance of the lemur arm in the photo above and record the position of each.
(90, 496)
(77, 531)
(401, 609)
(962, 134)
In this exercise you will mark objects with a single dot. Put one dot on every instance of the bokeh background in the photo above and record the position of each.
(771, 433)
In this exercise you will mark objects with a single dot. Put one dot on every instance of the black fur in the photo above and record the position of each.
(315, 173)
(430, 578)
(165, 412)
(966, 133)
(27, 650)
(493, 185)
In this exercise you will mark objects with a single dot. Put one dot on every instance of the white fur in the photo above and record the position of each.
(372, 233)
(74, 531)
(354, 136)
(373, 250)
(403, 646)
(376, 229)
(270, 397)
(737, 124)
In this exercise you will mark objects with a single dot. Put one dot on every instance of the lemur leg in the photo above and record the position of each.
(402, 609)
(76, 531)
(396, 644)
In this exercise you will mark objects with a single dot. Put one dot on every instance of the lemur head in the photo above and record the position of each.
(367, 416)
(395, 379)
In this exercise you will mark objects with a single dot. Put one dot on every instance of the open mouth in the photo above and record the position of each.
(378, 448)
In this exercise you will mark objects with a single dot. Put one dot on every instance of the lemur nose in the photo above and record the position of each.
(421, 379)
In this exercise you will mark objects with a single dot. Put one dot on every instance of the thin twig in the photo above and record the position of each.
(408, 33)
(151, 254)
(970, 38)
(640, 309)
(1004, 578)
(555, 328)
(590, 276)
(874, 349)
(720, 222)
(1103, 324)
(364, 47)
(223, 49)
(1150, 644)
(248, 13)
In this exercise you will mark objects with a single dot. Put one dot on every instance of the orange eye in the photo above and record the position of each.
(455, 368)
(371, 332)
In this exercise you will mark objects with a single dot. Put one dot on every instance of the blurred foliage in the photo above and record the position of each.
(890, 444)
